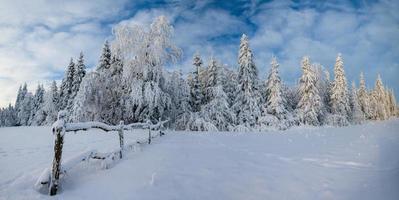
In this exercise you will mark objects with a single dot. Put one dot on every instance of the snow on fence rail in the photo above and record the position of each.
(51, 180)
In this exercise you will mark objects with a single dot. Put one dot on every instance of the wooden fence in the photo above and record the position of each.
(50, 181)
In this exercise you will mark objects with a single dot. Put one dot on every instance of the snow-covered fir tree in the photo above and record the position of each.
(79, 73)
(392, 103)
(309, 107)
(88, 100)
(25, 109)
(50, 105)
(323, 85)
(67, 86)
(196, 98)
(274, 111)
(339, 99)
(246, 105)
(105, 59)
(217, 110)
(356, 115)
(112, 80)
(24, 103)
(179, 89)
(363, 98)
(229, 82)
(36, 116)
(379, 95)
(8, 116)
(211, 79)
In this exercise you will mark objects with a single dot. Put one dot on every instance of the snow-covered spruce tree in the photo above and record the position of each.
(79, 73)
(323, 85)
(274, 111)
(112, 79)
(217, 110)
(292, 97)
(363, 98)
(180, 114)
(22, 91)
(8, 116)
(211, 80)
(386, 103)
(88, 101)
(50, 106)
(392, 103)
(246, 105)
(67, 86)
(373, 109)
(23, 106)
(327, 93)
(356, 115)
(389, 103)
(309, 107)
(196, 98)
(145, 52)
(36, 116)
(96, 98)
(18, 101)
(25, 109)
(379, 95)
(229, 82)
(105, 58)
(339, 95)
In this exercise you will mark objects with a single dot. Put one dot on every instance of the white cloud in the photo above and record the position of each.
(39, 37)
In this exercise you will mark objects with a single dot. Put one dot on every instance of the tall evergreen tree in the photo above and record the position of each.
(274, 111)
(339, 94)
(211, 80)
(79, 73)
(66, 87)
(246, 104)
(105, 58)
(50, 106)
(356, 115)
(379, 95)
(37, 117)
(195, 86)
(310, 104)
(21, 104)
(392, 103)
(363, 98)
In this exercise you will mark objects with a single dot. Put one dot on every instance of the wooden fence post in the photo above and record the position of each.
(121, 141)
(58, 131)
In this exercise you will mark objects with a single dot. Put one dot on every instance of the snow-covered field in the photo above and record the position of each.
(356, 162)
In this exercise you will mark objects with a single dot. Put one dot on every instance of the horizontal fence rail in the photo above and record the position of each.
(60, 127)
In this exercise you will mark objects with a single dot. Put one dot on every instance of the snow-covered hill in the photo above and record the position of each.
(355, 162)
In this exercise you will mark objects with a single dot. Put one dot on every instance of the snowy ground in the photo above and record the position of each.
(357, 162)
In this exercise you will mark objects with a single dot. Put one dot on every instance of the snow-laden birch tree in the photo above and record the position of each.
(145, 51)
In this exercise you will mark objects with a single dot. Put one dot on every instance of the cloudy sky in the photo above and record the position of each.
(38, 37)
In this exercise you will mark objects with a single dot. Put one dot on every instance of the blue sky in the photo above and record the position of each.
(38, 37)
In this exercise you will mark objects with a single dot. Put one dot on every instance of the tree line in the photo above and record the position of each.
(130, 83)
